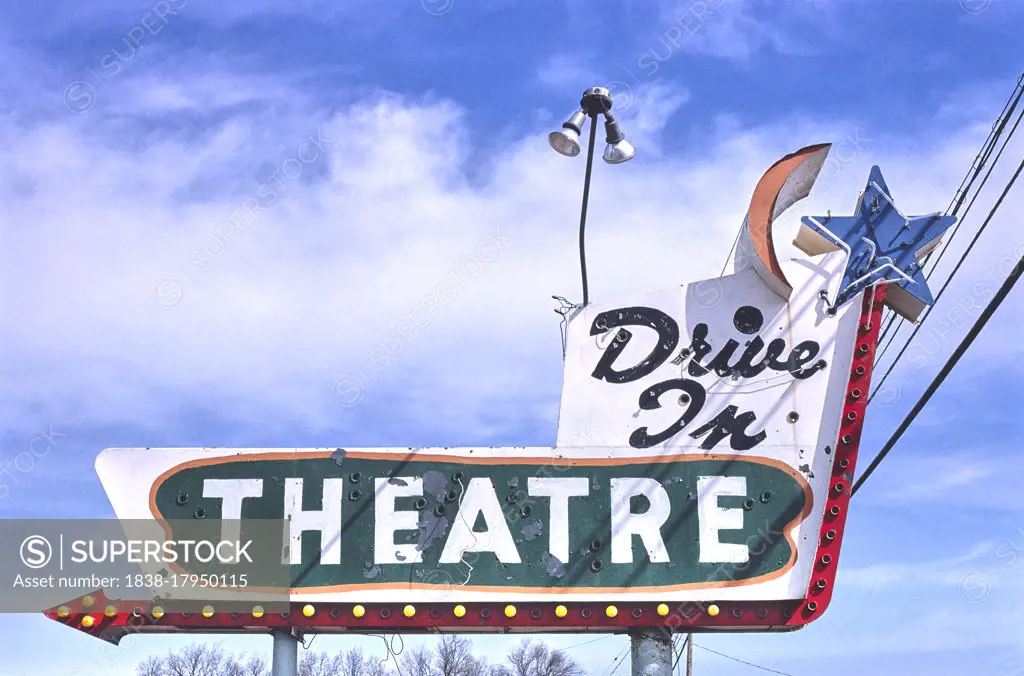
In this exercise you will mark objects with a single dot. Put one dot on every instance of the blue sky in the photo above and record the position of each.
(133, 316)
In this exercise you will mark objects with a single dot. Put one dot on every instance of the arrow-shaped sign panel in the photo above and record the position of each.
(495, 524)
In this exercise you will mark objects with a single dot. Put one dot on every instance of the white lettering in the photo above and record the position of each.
(232, 492)
(478, 499)
(626, 523)
(326, 520)
(559, 490)
(712, 519)
(387, 520)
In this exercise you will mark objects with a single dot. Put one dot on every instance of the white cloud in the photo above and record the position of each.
(736, 30)
(948, 572)
(62, 14)
(353, 245)
(566, 71)
(970, 474)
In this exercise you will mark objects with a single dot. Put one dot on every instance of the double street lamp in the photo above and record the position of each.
(566, 141)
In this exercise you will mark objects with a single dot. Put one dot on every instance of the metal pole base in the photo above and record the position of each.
(286, 654)
(651, 652)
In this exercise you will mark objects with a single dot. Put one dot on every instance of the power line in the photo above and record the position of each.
(729, 257)
(986, 150)
(618, 667)
(992, 306)
(977, 165)
(736, 659)
(960, 262)
(609, 671)
(593, 640)
(679, 652)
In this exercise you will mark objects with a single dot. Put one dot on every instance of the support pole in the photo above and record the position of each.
(651, 652)
(286, 654)
(689, 655)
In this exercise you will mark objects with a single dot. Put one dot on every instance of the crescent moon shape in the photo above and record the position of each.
(784, 184)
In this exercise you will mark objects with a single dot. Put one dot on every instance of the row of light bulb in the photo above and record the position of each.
(309, 610)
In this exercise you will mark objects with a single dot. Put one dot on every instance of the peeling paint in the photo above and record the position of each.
(372, 572)
(434, 484)
(338, 456)
(554, 567)
(432, 528)
(531, 531)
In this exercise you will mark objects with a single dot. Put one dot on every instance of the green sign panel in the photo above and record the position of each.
(379, 520)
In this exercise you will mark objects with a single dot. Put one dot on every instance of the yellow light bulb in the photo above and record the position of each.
(157, 612)
(308, 610)
(63, 611)
(409, 611)
(88, 621)
(460, 611)
(663, 609)
(207, 611)
(611, 611)
(358, 611)
(110, 611)
(87, 601)
(510, 611)
(257, 611)
(712, 610)
(561, 611)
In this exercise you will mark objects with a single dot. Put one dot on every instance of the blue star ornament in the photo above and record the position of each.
(884, 247)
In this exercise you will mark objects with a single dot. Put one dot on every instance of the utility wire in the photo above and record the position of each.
(736, 659)
(609, 671)
(679, 652)
(593, 640)
(959, 263)
(1006, 112)
(986, 151)
(977, 165)
(893, 316)
(987, 313)
(729, 257)
(618, 667)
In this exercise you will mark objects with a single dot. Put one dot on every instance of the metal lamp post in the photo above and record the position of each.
(651, 650)
(566, 141)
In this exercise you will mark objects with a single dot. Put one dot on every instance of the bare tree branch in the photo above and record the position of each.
(452, 656)
(418, 662)
(531, 658)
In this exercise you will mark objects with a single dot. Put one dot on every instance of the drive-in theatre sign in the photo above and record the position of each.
(700, 479)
